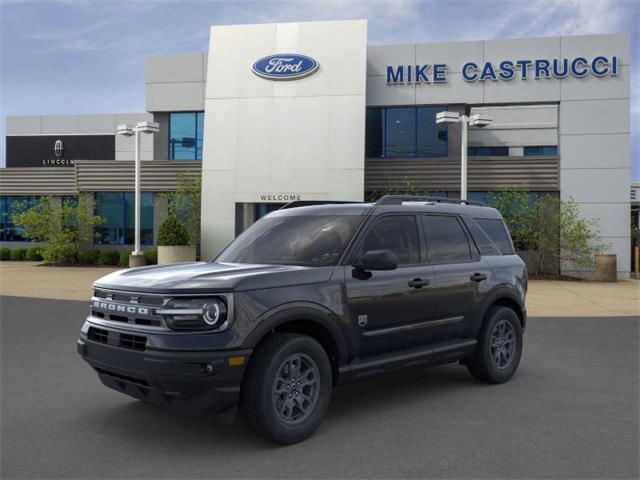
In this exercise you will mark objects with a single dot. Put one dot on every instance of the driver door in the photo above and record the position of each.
(388, 308)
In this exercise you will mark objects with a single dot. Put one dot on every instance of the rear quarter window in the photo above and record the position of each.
(497, 232)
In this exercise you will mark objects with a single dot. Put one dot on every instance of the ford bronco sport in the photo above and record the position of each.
(308, 298)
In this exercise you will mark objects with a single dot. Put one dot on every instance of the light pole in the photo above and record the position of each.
(477, 120)
(136, 259)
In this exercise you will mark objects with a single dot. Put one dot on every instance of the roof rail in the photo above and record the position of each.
(307, 203)
(399, 199)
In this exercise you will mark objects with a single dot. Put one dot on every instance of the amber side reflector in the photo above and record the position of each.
(236, 361)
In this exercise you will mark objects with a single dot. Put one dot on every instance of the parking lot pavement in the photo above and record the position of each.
(570, 412)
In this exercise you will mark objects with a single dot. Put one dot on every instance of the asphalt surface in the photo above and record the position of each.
(571, 411)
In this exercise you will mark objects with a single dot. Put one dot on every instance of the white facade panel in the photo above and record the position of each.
(513, 138)
(175, 68)
(595, 151)
(611, 217)
(174, 97)
(300, 137)
(596, 185)
(97, 124)
(59, 124)
(594, 117)
(23, 125)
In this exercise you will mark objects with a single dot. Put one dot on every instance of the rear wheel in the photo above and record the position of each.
(499, 347)
(287, 388)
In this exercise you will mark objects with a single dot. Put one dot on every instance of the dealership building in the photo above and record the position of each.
(308, 111)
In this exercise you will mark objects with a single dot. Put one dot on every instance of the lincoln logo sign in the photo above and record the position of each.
(58, 148)
(505, 70)
(285, 66)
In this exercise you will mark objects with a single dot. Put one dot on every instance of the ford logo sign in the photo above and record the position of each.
(285, 66)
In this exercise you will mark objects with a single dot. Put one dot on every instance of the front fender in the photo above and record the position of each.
(308, 311)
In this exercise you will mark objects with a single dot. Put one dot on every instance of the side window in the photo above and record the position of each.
(398, 233)
(497, 233)
(484, 243)
(446, 240)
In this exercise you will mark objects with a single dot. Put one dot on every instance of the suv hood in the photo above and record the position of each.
(202, 277)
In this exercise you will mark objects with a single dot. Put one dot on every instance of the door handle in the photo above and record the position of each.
(478, 277)
(418, 283)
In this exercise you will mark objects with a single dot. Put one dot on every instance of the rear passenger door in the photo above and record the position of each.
(461, 276)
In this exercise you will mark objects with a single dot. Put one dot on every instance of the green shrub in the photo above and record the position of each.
(5, 253)
(90, 257)
(18, 254)
(124, 258)
(151, 256)
(61, 254)
(34, 254)
(64, 227)
(109, 257)
(172, 232)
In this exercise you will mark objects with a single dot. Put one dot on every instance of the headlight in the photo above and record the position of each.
(195, 314)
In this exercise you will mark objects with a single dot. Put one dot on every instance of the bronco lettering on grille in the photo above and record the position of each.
(116, 307)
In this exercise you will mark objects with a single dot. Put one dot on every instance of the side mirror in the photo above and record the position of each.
(377, 260)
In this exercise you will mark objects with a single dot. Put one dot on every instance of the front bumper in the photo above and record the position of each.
(193, 380)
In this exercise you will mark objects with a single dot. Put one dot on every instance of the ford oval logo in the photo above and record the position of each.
(285, 66)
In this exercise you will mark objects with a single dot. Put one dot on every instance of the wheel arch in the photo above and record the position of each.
(507, 298)
(308, 319)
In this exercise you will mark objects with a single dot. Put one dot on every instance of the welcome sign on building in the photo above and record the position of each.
(506, 70)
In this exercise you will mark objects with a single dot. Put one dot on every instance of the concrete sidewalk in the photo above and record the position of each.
(546, 298)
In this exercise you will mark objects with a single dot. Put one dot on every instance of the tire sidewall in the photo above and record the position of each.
(496, 374)
(277, 429)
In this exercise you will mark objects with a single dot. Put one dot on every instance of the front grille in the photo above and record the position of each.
(128, 308)
(122, 340)
(129, 297)
(133, 342)
(98, 335)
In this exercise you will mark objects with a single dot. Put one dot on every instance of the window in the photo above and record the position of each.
(9, 232)
(397, 233)
(541, 151)
(446, 240)
(405, 132)
(488, 151)
(185, 135)
(117, 209)
(497, 232)
(484, 243)
(310, 241)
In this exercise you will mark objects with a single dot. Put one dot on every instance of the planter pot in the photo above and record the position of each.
(606, 268)
(176, 253)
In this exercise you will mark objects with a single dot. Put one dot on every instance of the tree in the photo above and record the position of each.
(184, 203)
(172, 232)
(548, 232)
(64, 227)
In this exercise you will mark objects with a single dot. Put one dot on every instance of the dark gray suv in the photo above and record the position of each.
(308, 298)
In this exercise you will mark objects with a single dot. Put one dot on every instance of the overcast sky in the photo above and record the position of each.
(87, 56)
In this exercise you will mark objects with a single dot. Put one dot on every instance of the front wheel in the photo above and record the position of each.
(287, 388)
(499, 347)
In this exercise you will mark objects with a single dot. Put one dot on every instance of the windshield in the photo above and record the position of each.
(310, 241)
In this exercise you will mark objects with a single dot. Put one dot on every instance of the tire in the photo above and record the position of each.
(497, 364)
(272, 404)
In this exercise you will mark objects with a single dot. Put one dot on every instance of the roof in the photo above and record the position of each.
(445, 205)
